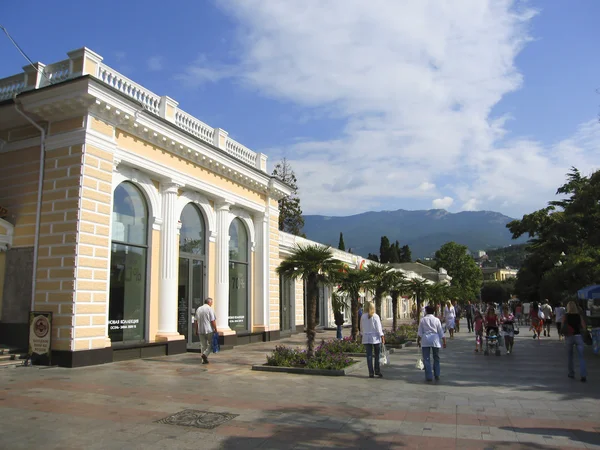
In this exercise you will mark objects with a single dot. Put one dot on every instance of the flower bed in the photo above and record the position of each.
(403, 334)
(324, 358)
(346, 345)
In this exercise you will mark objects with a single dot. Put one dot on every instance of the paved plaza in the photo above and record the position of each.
(523, 400)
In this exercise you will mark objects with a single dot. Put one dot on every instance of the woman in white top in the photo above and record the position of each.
(372, 338)
(450, 318)
(430, 336)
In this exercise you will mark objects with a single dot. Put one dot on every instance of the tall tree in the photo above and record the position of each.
(420, 290)
(398, 286)
(379, 282)
(352, 282)
(395, 253)
(564, 247)
(373, 257)
(314, 264)
(290, 212)
(466, 275)
(405, 254)
(341, 245)
(384, 250)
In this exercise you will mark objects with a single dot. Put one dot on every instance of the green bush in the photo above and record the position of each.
(346, 345)
(401, 335)
(324, 358)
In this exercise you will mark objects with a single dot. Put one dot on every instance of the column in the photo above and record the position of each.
(221, 299)
(169, 267)
(261, 273)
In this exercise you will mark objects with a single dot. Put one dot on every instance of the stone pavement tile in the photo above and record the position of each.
(471, 431)
(502, 435)
(439, 430)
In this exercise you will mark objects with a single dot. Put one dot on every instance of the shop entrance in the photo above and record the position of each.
(286, 307)
(190, 295)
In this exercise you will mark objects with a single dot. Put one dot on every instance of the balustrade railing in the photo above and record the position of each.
(240, 152)
(62, 70)
(194, 126)
(130, 88)
(11, 86)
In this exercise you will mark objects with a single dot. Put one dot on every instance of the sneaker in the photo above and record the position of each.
(583, 379)
(379, 375)
(371, 375)
(544, 334)
(437, 378)
(204, 359)
(571, 375)
(508, 352)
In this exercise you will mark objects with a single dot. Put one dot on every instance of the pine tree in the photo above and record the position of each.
(341, 245)
(405, 254)
(384, 250)
(290, 212)
(395, 255)
(373, 257)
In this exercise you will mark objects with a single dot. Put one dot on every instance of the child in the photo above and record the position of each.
(478, 321)
(491, 322)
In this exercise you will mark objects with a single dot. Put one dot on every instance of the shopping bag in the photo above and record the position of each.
(420, 365)
(384, 356)
(215, 343)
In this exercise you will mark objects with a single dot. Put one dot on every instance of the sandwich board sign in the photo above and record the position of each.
(40, 337)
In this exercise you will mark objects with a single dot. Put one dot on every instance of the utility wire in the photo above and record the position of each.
(18, 47)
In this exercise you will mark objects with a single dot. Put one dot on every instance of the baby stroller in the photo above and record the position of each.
(492, 342)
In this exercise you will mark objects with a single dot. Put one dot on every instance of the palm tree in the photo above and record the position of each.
(352, 282)
(379, 283)
(438, 293)
(398, 286)
(420, 290)
(313, 264)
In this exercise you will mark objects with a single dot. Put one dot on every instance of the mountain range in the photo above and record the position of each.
(425, 231)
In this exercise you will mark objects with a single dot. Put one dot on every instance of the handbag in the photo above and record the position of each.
(420, 365)
(216, 348)
(384, 356)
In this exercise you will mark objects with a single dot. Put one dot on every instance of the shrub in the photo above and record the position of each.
(346, 345)
(324, 358)
(401, 335)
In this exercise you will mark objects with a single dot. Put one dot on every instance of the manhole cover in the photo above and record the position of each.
(198, 419)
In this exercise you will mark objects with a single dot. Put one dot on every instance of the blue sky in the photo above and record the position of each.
(466, 104)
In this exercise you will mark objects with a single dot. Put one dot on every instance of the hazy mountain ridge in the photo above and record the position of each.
(423, 230)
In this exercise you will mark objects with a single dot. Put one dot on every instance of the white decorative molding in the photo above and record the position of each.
(6, 240)
(245, 217)
(222, 266)
(143, 181)
(210, 218)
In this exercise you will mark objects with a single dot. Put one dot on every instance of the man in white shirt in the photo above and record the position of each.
(547, 310)
(559, 313)
(428, 337)
(206, 325)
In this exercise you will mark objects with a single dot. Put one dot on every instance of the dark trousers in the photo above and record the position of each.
(470, 323)
(370, 355)
(339, 332)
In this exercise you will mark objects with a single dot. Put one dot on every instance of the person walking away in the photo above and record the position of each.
(470, 314)
(372, 338)
(479, 322)
(547, 310)
(458, 311)
(207, 325)
(527, 313)
(508, 329)
(519, 313)
(449, 318)
(430, 336)
(536, 319)
(338, 317)
(573, 327)
(360, 313)
(559, 312)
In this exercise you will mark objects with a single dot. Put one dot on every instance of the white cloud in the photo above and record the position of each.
(442, 203)
(414, 84)
(426, 186)
(470, 205)
(155, 63)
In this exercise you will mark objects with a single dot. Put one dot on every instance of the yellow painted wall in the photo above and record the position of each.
(211, 271)
(142, 148)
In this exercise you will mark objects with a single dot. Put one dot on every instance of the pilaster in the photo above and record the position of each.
(261, 273)
(222, 268)
(167, 304)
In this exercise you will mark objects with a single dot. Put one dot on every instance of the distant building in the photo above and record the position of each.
(438, 276)
(498, 274)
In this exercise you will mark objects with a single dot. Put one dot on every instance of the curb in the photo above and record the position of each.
(301, 371)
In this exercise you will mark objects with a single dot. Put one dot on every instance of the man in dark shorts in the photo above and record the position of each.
(547, 310)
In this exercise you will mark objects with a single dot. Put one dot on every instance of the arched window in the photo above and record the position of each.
(238, 276)
(191, 235)
(127, 301)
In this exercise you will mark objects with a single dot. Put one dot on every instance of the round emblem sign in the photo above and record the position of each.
(41, 326)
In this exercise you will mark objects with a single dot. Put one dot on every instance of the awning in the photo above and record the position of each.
(589, 292)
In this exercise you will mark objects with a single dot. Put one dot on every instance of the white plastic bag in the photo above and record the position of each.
(384, 356)
(420, 365)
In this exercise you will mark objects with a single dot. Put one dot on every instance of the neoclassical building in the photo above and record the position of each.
(120, 213)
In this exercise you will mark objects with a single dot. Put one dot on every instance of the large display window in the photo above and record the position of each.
(238, 276)
(128, 264)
